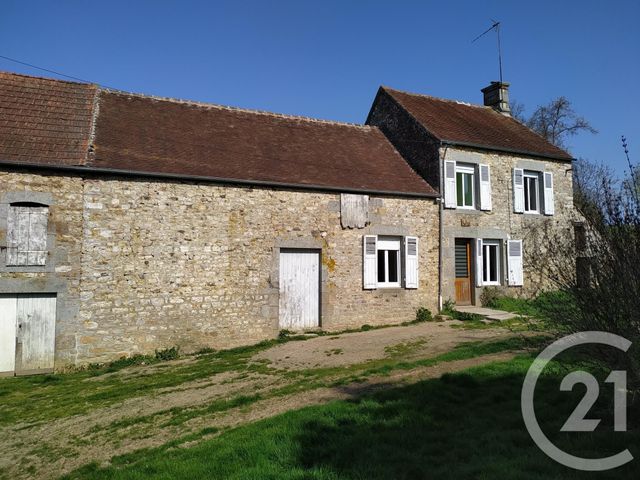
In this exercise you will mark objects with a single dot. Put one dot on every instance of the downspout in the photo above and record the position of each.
(440, 226)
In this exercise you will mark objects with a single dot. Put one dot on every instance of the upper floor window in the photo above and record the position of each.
(465, 183)
(27, 234)
(467, 186)
(531, 192)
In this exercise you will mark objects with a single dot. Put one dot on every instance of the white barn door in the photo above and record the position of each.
(8, 305)
(299, 289)
(36, 320)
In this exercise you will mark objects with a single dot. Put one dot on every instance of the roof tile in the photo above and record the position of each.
(44, 121)
(475, 125)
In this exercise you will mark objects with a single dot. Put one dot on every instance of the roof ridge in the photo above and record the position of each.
(49, 79)
(196, 103)
(440, 99)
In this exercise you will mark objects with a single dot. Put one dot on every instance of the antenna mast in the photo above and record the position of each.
(496, 27)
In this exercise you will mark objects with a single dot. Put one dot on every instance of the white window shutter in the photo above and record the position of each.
(548, 193)
(410, 262)
(37, 251)
(12, 236)
(518, 190)
(370, 262)
(514, 251)
(485, 187)
(450, 184)
(479, 262)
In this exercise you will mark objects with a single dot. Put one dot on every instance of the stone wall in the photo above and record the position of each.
(417, 146)
(61, 273)
(538, 232)
(149, 264)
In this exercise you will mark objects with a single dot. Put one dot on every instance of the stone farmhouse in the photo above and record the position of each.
(130, 223)
(503, 185)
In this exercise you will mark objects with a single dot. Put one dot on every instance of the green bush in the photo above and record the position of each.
(168, 354)
(423, 315)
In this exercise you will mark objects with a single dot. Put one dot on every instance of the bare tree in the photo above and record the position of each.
(597, 267)
(555, 121)
(558, 120)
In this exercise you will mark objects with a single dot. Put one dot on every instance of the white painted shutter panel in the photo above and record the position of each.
(370, 262)
(548, 193)
(514, 251)
(479, 262)
(37, 251)
(485, 187)
(450, 184)
(411, 262)
(12, 236)
(518, 190)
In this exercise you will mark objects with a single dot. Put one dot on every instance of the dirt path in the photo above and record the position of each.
(51, 449)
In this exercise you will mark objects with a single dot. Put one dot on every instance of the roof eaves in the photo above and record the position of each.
(568, 158)
(233, 181)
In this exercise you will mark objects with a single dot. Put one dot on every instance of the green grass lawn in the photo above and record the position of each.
(461, 426)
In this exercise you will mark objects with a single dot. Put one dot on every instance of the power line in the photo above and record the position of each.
(45, 69)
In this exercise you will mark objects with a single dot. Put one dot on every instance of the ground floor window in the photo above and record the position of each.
(491, 262)
(388, 261)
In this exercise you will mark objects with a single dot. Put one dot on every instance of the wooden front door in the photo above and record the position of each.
(463, 271)
(299, 289)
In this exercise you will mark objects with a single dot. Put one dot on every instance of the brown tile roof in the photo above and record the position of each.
(51, 122)
(44, 121)
(474, 125)
(148, 134)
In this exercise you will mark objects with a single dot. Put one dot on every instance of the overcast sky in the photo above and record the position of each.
(326, 59)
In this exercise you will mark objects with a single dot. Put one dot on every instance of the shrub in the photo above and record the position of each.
(423, 315)
(489, 296)
(168, 354)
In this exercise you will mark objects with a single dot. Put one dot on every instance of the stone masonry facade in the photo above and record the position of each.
(501, 223)
(140, 264)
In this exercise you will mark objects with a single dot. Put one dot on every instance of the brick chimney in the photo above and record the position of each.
(496, 96)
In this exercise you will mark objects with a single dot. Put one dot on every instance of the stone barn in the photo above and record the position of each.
(130, 223)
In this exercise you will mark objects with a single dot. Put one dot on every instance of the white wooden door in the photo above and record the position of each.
(299, 289)
(36, 320)
(8, 305)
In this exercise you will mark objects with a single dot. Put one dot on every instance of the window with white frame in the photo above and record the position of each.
(531, 192)
(388, 261)
(491, 262)
(465, 186)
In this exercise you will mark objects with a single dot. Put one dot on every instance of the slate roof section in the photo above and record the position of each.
(44, 121)
(474, 125)
(155, 135)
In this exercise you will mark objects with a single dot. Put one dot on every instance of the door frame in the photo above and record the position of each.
(470, 244)
(321, 275)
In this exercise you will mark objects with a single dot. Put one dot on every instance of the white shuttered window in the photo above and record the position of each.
(390, 262)
(27, 235)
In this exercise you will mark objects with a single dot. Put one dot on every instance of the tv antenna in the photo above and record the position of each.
(496, 27)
